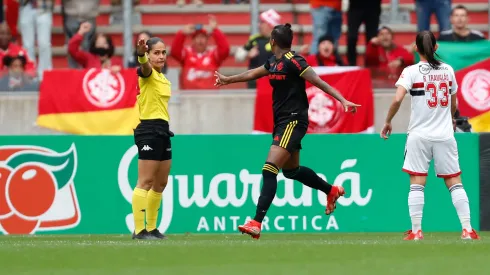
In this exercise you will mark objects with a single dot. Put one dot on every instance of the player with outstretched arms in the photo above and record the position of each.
(288, 73)
(433, 88)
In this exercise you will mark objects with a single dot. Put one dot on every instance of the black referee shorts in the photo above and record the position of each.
(289, 135)
(152, 137)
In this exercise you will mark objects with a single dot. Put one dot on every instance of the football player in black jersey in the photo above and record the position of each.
(287, 74)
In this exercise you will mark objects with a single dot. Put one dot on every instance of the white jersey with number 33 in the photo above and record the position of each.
(431, 90)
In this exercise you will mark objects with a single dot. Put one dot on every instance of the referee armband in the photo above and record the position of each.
(139, 72)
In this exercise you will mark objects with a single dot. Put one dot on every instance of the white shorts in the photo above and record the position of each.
(419, 152)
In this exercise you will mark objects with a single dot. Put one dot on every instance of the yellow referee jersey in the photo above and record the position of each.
(154, 95)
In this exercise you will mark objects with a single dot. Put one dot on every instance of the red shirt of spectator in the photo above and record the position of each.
(101, 50)
(199, 62)
(334, 4)
(326, 56)
(318, 60)
(384, 55)
(8, 48)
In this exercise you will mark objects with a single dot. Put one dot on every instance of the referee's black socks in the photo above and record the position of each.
(308, 177)
(268, 192)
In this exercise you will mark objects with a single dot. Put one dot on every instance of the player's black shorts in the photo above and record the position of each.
(288, 135)
(152, 137)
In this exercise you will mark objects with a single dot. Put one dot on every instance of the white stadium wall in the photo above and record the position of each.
(191, 113)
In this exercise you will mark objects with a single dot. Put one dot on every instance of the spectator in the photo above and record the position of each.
(182, 3)
(460, 31)
(144, 35)
(327, 20)
(100, 54)
(36, 16)
(16, 79)
(361, 11)
(199, 61)
(116, 17)
(386, 57)
(327, 54)
(8, 48)
(258, 48)
(74, 13)
(425, 8)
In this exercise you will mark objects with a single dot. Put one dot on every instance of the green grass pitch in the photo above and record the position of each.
(349, 254)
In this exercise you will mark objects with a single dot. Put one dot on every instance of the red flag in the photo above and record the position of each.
(474, 94)
(326, 114)
(94, 101)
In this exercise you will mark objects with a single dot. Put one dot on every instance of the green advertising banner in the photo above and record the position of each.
(83, 185)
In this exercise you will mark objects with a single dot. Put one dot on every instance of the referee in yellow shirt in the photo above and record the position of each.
(152, 137)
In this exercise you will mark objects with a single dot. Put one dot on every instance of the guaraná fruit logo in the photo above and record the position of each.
(37, 192)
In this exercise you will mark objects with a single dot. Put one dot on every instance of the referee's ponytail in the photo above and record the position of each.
(426, 45)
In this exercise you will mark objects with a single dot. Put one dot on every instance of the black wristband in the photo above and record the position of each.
(141, 55)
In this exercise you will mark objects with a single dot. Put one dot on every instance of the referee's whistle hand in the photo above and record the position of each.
(141, 48)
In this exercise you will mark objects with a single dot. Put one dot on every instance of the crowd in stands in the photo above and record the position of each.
(89, 49)
(383, 55)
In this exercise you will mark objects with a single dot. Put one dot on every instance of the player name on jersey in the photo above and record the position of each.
(438, 77)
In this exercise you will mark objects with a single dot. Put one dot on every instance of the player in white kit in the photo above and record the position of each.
(433, 88)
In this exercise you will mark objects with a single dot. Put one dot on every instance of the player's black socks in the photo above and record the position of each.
(268, 192)
(309, 178)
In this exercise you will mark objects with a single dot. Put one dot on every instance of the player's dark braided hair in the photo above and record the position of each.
(152, 42)
(283, 36)
(426, 44)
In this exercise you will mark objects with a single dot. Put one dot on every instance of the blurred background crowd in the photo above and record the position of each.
(204, 36)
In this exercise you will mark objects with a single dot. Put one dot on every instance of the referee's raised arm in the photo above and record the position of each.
(142, 50)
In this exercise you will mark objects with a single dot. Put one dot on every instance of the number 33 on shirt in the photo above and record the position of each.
(435, 85)
(431, 90)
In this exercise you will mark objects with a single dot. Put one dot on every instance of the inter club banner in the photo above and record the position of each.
(326, 115)
(474, 95)
(89, 102)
